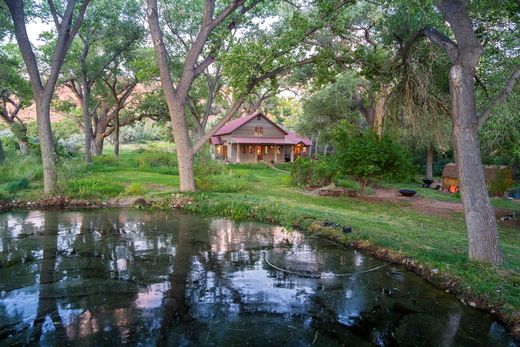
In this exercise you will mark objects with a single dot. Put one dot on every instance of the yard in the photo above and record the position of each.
(435, 238)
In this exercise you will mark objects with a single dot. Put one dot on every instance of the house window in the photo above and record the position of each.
(259, 131)
(304, 149)
(219, 150)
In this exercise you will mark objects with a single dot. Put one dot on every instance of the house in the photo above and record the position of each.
(256, 138)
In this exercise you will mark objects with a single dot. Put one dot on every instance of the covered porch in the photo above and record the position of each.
(257, 152)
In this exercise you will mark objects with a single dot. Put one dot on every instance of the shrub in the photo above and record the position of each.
(105, 160)
(14, 186)
(221, 184)
(364, 155)
(164, 160)
(204, 166)
(17, 167)
(135, 188)
(501, 184)
(92, 188)
(309, 172)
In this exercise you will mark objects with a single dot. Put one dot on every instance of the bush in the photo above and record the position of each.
(364, 155)
(164, 160)
(17, 167)
(221, 183)
(141, 132)
(204, 166)
(14, 186)
(135, 189)
(92, 188)
(501, 184)
(309, 172)
(105, 160)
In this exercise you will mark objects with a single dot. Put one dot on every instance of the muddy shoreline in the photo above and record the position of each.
(440, 280)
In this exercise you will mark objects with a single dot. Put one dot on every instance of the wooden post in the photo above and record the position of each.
(292, 154)
(275, 154)
(238, 153)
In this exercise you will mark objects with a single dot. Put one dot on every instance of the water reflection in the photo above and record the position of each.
(130, 277)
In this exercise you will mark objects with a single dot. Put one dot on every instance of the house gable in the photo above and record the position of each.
(255, 125)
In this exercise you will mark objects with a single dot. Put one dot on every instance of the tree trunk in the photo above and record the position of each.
(362, 185)
(97, 144)
(86, 120)
(116, 135)
(480, 216)
(50, 180)
(2, 153)
(24, 146)
(183, 147)
(379, 110)
(429, 161)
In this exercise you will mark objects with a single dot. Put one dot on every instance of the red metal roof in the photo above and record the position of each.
(295, 138)
(215, 140)
(237, 123)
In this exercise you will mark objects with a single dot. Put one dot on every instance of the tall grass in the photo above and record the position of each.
(92, 188)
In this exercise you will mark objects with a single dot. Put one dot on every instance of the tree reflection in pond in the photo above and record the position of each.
(134, 277)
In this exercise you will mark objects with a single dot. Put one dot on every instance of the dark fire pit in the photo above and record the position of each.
(427, 182)
(407, 192)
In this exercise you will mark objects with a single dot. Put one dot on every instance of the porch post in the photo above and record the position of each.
(275, 153)
(212, 151)
(292, 154)
(238, 153)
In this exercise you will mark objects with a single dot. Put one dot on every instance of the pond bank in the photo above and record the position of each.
(274, 214)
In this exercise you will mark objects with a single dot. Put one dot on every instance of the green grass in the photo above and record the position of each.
(261, 193)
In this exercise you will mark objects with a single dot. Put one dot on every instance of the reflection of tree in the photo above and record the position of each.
(47, 306)
(174, 303)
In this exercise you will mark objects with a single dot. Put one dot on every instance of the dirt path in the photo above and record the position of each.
(436, 207)
(425, 205)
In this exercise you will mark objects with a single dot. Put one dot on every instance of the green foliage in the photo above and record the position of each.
(92, 188)
(19, 167)
(135, 189)
(363, 155)
(501, 184)
(205, 166)
(221, 183)
(156, 159)
(15, 186)
(309, 172)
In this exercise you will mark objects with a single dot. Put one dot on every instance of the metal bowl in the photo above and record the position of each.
(407, 192)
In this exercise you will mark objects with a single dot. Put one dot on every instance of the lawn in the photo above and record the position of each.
(259, 192)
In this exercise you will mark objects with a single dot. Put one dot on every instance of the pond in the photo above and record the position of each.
(113, 277)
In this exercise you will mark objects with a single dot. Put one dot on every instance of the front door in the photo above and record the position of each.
(224, 152)
(259, 152)
(297, 151)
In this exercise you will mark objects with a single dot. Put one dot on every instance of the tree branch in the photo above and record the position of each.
(506, 90)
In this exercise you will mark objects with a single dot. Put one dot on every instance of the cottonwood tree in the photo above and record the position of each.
(15, 94)
(464, 51)
(110, 30)
(67, 18)
(210, 36)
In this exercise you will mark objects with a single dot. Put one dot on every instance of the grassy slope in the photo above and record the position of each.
(433, 241)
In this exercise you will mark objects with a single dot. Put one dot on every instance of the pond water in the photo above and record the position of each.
(113, 277)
